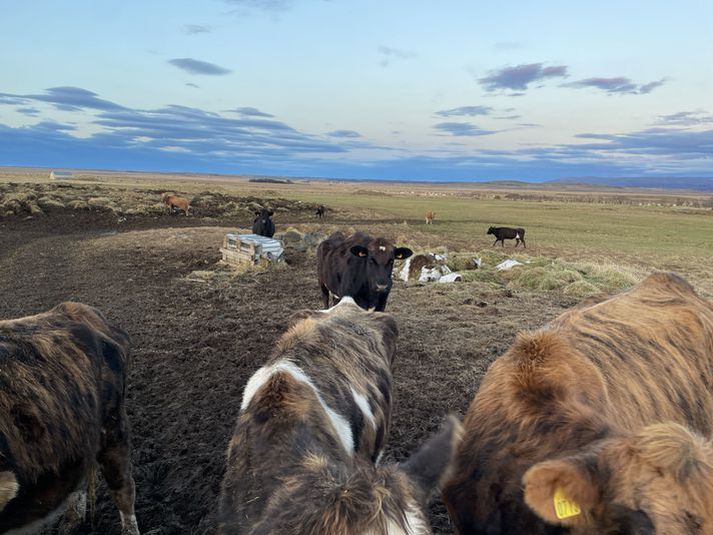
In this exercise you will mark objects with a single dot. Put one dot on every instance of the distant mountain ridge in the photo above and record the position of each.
(699, 184)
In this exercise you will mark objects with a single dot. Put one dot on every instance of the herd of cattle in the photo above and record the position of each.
(600, 422)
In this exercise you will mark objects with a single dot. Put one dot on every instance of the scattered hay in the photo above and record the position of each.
(581, 288)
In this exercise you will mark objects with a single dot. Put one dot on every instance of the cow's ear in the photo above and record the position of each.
(360, 251)
(430, 466)
(563, 491)
(271, 213)
(402, 252)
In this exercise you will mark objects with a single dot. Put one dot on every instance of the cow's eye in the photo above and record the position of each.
(373, 261)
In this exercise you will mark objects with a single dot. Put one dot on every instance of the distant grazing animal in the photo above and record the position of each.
(601, 422)
(312, 424)
(358, 266)
(262, 224)
(174, 202)
(506, 233)
(62, 411)
(429, 217)
(321, 211)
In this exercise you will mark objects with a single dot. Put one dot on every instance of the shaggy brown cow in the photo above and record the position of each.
(313, 422)
(604, 413)
(62, 385)
(429, 217)
(174, 202)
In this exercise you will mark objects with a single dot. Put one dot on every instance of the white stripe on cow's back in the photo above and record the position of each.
(415, 524)
(363, 405)
(260, 377)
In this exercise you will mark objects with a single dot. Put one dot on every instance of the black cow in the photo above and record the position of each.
(321, 210)
(358, 266)
(263, 225)
(506, 233)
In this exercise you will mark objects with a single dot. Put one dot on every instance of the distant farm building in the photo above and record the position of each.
(61, 175)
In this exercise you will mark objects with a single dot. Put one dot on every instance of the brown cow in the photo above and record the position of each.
(429, 217)
(175, 202)
(62, 386)
(313, 423)
(604, 413)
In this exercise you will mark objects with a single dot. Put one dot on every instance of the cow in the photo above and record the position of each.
(599, 423)
(506, 233)
(358, 266)
(62, 411)
(262, 224)
(175, 202)
(312, 425)
(429, 217)
(321, 211)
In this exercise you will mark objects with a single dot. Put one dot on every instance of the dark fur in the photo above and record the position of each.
(357, 267)
(582, 395)
(287, 468)
(321, 211)
(506, 233)
(62, 388)
(262, 224)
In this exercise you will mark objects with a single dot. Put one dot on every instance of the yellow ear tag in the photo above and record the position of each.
(565, 508)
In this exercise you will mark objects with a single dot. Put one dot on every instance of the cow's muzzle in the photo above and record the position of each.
(381, 288)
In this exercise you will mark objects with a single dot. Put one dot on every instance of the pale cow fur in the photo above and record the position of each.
(612, 403)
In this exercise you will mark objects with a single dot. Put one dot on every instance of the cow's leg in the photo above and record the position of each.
(523, 242)
(115, 462)
(325, 295)
(495, 242)
(381, 302)
(75, 512)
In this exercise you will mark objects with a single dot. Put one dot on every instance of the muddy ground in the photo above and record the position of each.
(196, 342)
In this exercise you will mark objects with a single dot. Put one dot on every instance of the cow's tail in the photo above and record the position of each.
(8, 488)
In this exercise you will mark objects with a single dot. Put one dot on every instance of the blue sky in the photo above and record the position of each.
(449, 90)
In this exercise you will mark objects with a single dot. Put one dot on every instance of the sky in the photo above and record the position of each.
(449, 90)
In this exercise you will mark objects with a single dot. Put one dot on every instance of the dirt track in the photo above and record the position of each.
(196, 343)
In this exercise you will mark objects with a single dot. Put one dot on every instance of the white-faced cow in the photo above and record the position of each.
(359, 267)
(600, 423)
(62, 386)
(506, 233)
(313, 422)
(263, 224)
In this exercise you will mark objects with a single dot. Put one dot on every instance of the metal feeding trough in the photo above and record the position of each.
(251, 249)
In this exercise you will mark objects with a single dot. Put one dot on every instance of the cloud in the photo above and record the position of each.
(465, 111)
(462, 129)
(506, 46)
(193, 29)
(65, 98)
(250, 112)
(518, 78)
(686, 118)
(28, 111)
(390, 54)
(189, 84)
(616, 85)
(344, 134)
(194, 66)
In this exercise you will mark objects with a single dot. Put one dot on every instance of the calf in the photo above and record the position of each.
(313, 422)
(62, 388)
(321, 210)
(358, 266)
(596, 423)
(174, 202)
(429, 217)
(262, 224)
(506, 233)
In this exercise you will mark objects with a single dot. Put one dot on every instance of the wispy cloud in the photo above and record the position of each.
(687, 118)
(519, 78)
(250, 112)
(189, 84)
(193, 29)
(195, 66)
(65, 98)
(32, 112)
(617, 85)
(390, 54)
(505, 46)
(344, 134)
(465, 111)
(462, 129)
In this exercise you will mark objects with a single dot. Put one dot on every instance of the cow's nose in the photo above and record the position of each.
(381, 287)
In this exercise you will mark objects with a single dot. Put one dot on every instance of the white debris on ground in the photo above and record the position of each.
(507, 264)
(436, 271)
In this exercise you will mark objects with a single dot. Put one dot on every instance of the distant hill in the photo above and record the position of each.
(699, 184)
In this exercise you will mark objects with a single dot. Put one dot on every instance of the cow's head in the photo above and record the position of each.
(657, 481)
(264, 214)
(491, 230)
(379, 255)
